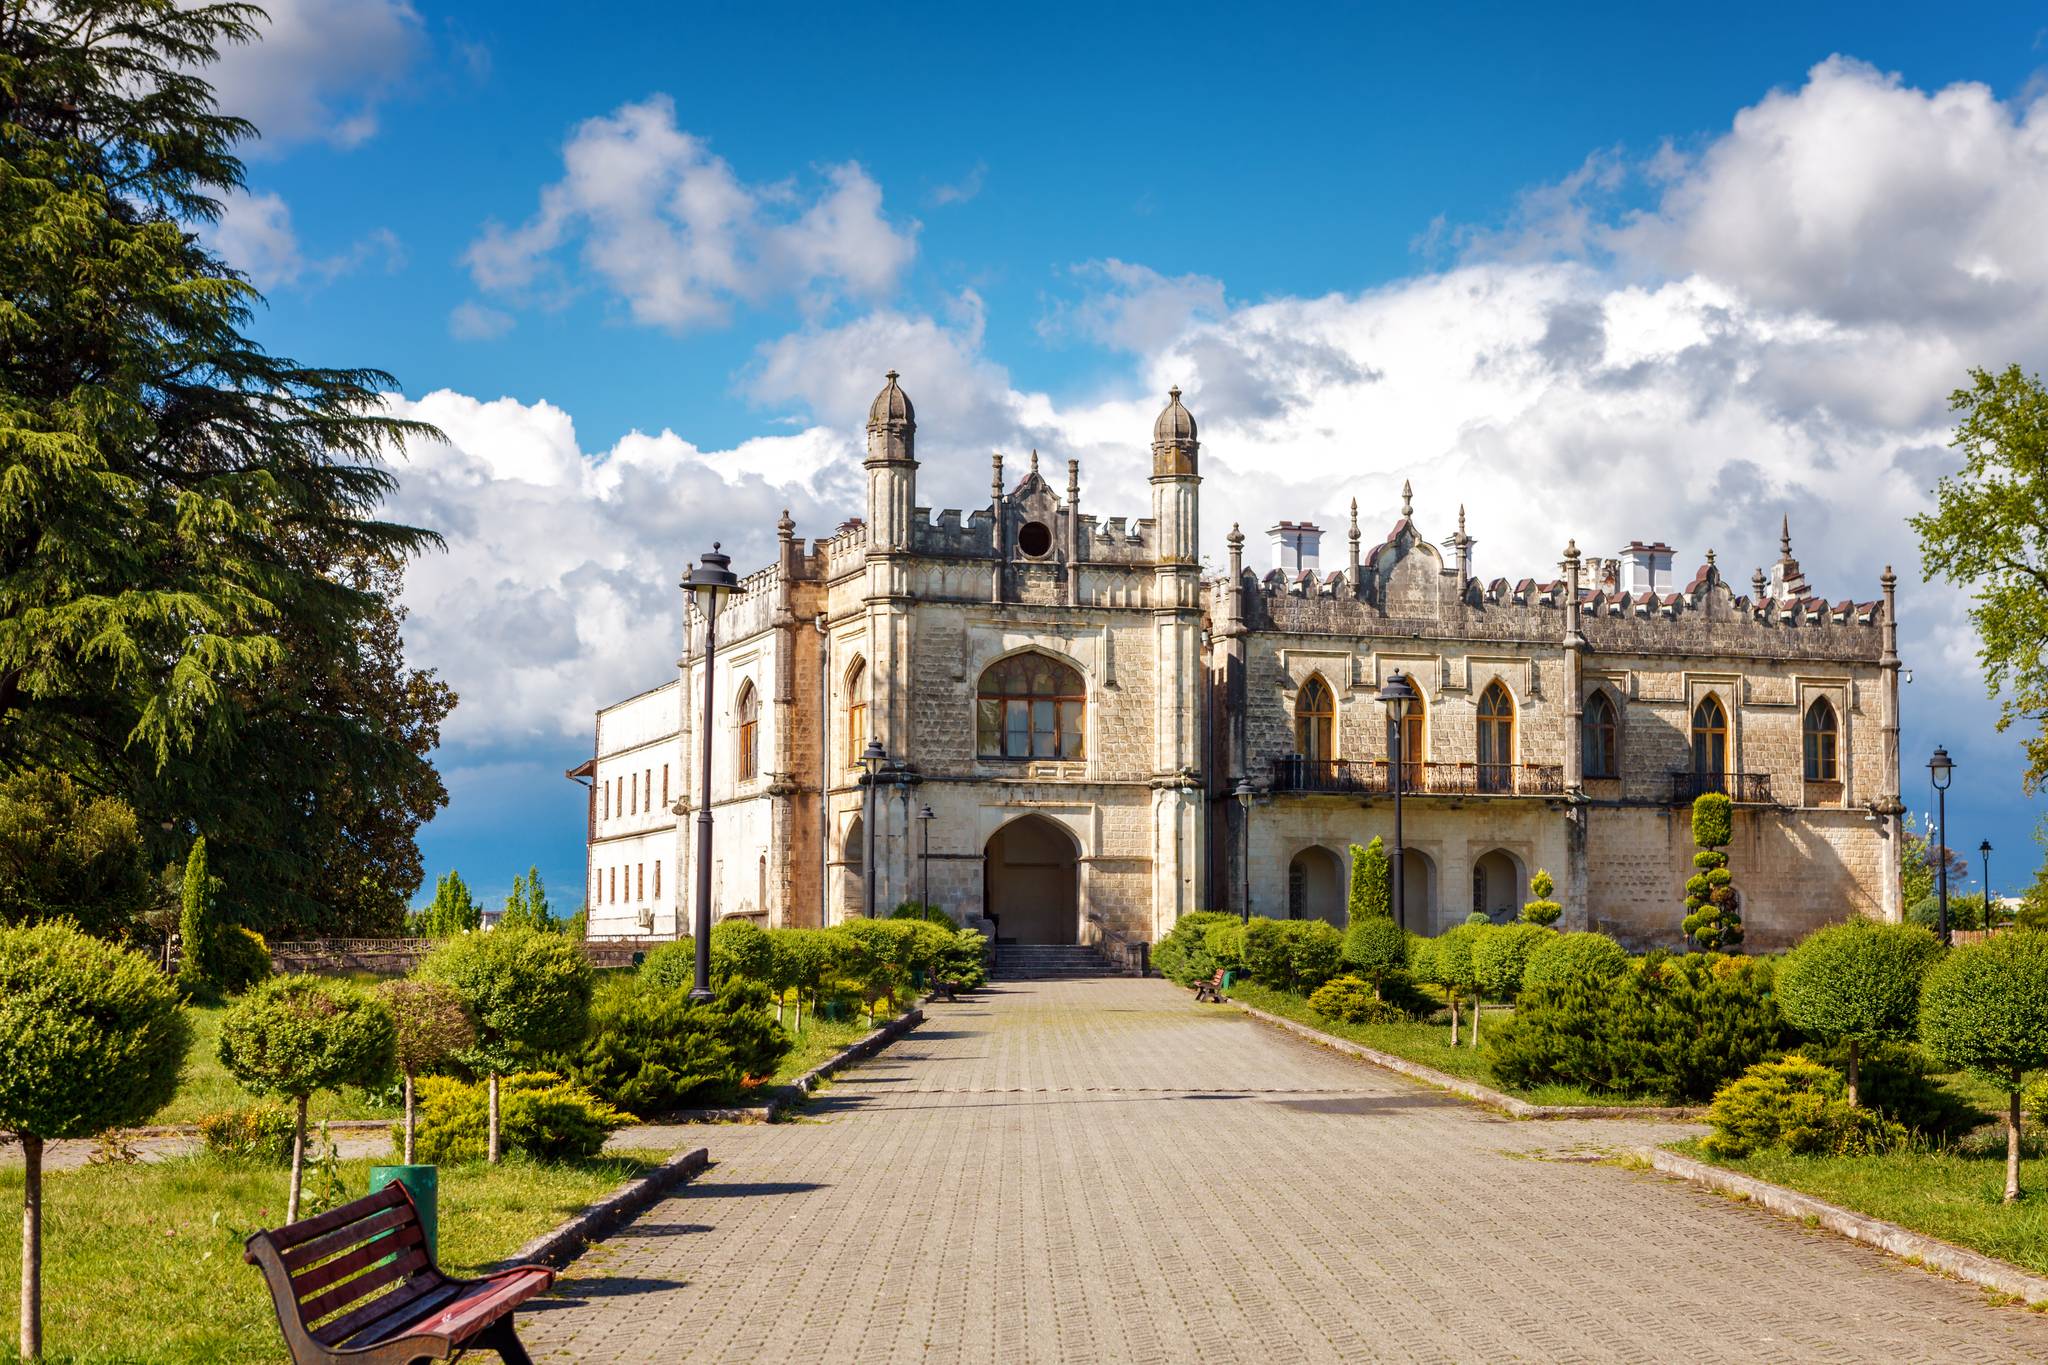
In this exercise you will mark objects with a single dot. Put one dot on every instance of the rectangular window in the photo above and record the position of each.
(615, 885)
(1073, 726)
(606, 788)
(648, 779)
(1016, 728)
(856, 730)
(1045, 729)
(640, 876)
(657, 881)
(664, 784)
(632, 795)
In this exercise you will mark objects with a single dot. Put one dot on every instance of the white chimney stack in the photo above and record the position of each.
(1646, 568)
(1297, 545)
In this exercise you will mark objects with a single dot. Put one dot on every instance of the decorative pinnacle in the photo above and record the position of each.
(1236, 536)
(1461, 521)
(1034, 461)
(1785, 535)
(1407, 499)
(1173, 394)
(1710, 559)
(890, 375)
(1571, 548)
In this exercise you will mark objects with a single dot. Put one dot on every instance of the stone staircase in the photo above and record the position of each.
(1024, 961)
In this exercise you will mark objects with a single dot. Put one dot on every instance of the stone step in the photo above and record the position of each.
(1048, 959)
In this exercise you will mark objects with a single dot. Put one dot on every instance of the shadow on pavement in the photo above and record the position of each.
(579, 1292)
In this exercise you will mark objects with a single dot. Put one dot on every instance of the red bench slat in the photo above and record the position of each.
(313, 1279)
(320, 1248)
(292, 1234)
(371, 1281)
(397, 1312)
(472, 1312)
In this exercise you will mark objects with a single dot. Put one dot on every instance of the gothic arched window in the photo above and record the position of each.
(1415, 739)
(1710, 739)
(1599, 734)
(856, 710)
(1822, 735)
(1496, 739)
(749, 712)
(1315, 722)
(1031, 706)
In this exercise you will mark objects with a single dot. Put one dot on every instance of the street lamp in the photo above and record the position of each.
(1397, 694)
(709, 583)
(871, 760)
(1984, 852)
(924, 821)
(1243, 793)
(1942, 770)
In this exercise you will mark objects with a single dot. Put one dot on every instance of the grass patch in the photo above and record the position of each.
(144, 1262)
(1429, 1044)
(1955, 1193)
(818, 1040)
(205, 1087)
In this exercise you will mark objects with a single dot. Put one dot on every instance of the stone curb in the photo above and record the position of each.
(567, 1240)
(795, 1091)
(1458, 1085)
(1931, 1252)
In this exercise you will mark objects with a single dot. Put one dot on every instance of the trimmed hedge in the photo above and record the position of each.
(1795, 1105)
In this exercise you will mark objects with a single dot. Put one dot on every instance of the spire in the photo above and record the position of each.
(1407, 499)
(1461, 521)
(1034, 460)
(1785, 535)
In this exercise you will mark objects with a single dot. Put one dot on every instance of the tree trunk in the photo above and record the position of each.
(408, 1118)
(291, 1208)
(1452, 996)
(31, 1247)
(493, 1150)
(1855, 1086)
(2012, 1142)
(799, 1010)
(1478, 1001)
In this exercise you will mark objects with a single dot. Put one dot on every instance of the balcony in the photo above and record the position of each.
(1371, 777)
(1745, 789)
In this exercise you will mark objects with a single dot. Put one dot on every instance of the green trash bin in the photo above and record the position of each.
(1229, 977)
(424, 1184)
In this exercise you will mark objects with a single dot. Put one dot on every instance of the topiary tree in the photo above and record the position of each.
(1377, 949)
(1500, 957)
(1451, 968)
(1542, 910)
(527, 992)
(1857, 983)
(293, 1035)
(1591, 955)
(803, 960)
(1371, 885)
(94, 1039)
(431, 1026)
(1985, 1008)
(1713, 914)
(739, 947)
(452, 911)
(203, 966)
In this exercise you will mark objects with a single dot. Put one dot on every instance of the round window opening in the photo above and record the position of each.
(1034, 538)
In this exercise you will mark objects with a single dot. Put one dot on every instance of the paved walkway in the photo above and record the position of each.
(1105, 1171)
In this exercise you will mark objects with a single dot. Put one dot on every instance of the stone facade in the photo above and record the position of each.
(1082, 716)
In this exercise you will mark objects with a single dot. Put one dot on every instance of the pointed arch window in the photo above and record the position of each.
(1496, 739)
(1598, 747)
(1415, 739)
(1823, 734)
(856, 710)
(1710, 740)
(1031, 706)
(1315, 721)
(749, 712)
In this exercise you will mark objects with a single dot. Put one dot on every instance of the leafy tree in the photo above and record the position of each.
(527, 906)
(1371, 885)
(452, 911)
(1542, 910)
(431, 1027)
(739, 947)
(94, 1041)
(528, 993)
(197, 598)
(67, 855)
(2033, 911)
(1858, 983)
(1451, 967)
(1591, 955)
(1916, 869)
(1985, 1008)
(203, 967)
(1713, 906)
(1964, 912)
(1376, 949)
(293, 1035)
(1989, 533)
(1500, 957)
(802, 961)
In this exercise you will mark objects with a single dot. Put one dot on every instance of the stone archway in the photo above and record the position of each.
(1031, 882)
(1497, 885)
(1316, 886)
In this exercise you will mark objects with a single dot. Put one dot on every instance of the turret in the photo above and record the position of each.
(1175, 476)
(892, 467)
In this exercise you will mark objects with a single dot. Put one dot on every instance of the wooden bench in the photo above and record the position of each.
(1212, 989)
(358, 1284)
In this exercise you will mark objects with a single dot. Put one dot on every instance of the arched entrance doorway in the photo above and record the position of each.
(1418, 890)
(1031, 881)
(1315, 886)
(1497, 885)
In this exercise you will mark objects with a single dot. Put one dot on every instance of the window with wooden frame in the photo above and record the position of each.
(749, 713)
(1415, 739)
(1823, 736)
(1598, 736)
(856, 710)
(1496, 739)
(1710, 738)
(1031, 706)
(1315, 721)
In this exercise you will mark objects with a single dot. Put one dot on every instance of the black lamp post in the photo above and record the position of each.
(1243, 793)
(871, 760)
(1942, 770)
(709, 583)
(1397, 694)
(1984, 852)
(924, 820)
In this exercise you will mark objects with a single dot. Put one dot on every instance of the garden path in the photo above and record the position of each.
(1104, 1170)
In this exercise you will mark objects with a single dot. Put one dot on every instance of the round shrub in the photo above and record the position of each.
(527, 993)
(1268, 955)
(1985, 1008)
(1182, 956)
(1574, 954)
(921, 911)
(1353, 1000)
(654, 1050)
(1376, 949)
(1314, 953)
(1794, 1105)
(740, 948)
(244, 960)
(541, 1116)
(1500, 957)
(672, 964)
(1857, 982)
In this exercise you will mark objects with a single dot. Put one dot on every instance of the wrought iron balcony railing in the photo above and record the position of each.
(1745, 789)
(1374, 777)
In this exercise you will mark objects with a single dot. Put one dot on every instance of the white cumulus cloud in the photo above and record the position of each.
(319, 70)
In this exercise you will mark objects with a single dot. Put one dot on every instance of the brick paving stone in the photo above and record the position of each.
(1105, 1171)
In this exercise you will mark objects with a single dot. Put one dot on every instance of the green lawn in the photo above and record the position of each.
(205, 1087)
(1427, 1043)
(144, 1262)
(1955, 1194)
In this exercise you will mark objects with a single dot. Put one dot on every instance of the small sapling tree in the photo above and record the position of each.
(1712, 905)
(1985, 1008)
(1542, 910)
(1857, 982)
(432, 1026)
(1377, 949)
(294, 1035)
(94, 1039)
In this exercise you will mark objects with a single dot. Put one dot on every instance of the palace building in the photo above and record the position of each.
(1084, 737)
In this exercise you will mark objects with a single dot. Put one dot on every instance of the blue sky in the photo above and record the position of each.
(645, 275)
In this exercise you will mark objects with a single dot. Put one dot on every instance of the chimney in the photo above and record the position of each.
(1297, 545)
(1647, 568)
